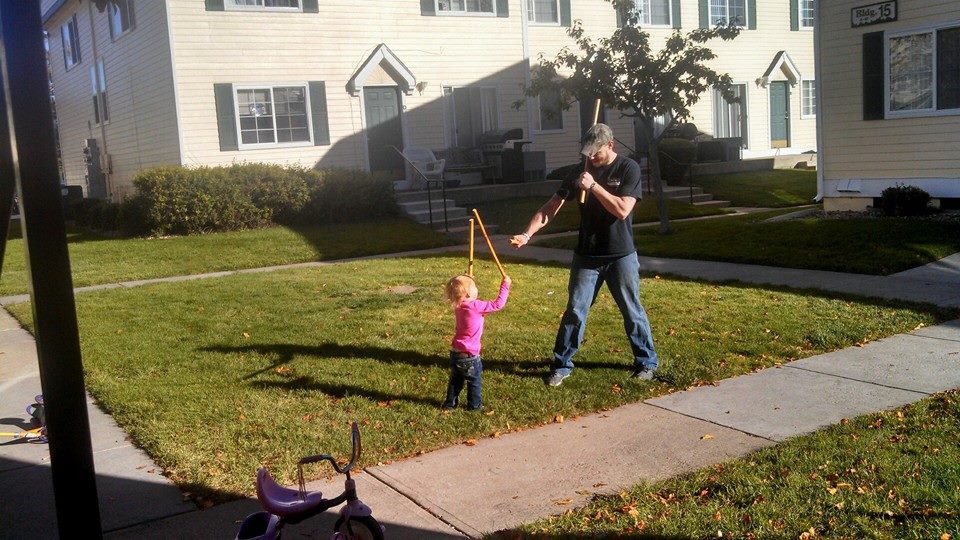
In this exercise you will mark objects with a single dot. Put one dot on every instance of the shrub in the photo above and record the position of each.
(178, 200)
(675, 157)
(901, 200)
(282, 191)
(341, 195)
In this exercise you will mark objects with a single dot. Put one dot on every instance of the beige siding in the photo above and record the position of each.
(923, 151)
(330, 46)
(142, 127)
(746, 58)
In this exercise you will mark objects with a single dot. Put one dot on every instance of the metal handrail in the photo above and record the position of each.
(443, 190)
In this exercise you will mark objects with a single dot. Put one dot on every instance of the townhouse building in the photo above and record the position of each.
(140, 83)
(890, 74)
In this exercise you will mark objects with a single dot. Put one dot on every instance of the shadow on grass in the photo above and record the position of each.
(341, 390)
(516, 535)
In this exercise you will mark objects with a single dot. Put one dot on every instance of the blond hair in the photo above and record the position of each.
(457, 289)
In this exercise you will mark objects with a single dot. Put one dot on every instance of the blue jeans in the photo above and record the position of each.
(623, 280)
(464, 370)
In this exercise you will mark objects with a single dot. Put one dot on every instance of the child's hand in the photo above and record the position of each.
(507, 280)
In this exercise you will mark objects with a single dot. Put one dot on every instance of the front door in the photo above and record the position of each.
(382, 112)
(779, 114)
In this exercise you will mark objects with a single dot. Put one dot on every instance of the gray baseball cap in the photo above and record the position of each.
(595, 138)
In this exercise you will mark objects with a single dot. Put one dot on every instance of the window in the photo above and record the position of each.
(806, 13)
(543, 11)
(653, 12)
(120, 13)
(551, 111)
(98, 90)
(465, 6)
(808, 99)
(923, 71)
(272, 115)
(733, 12)
(263, 5)
(71, 42)
(470, 111)
(729, 117)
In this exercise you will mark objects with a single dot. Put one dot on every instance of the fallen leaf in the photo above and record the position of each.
(470, 442)
(706, 437)
(246, 335)
(562, 502)
(558, 419)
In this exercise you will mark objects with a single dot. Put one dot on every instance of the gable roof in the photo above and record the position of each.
(783, 62)
(384, 57)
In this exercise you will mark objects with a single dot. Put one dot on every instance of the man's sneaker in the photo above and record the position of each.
(556, 378)
(643, 374)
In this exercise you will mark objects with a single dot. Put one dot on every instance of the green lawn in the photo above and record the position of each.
(512, 216)
(215, 377)
(762, 189)
(866, 246)
(886, 475)
(96, 259)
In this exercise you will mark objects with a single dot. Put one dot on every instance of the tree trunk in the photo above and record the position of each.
(653, 161)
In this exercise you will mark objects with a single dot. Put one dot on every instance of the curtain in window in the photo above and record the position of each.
(911, 72)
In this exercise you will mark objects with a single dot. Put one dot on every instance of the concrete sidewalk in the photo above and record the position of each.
(498, 483)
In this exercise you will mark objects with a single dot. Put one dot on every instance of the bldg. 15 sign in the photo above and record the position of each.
(873, 14)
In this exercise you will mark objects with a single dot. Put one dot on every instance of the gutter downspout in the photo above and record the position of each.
(107, 171)
(525, 40)
(818, 86)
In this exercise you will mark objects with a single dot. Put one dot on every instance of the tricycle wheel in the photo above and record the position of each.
(358, 528)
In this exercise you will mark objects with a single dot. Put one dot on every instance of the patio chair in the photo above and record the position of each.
(425, 165)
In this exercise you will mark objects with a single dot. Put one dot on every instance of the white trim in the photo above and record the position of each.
(915, 113)
(464, 13)
(780, 60)
(241, 146)
(642, 24)
(818, 72)
(382, 53)
(746, 14)
(937, 187)
(535, 22)
(816, 105)
(800, 25)
(228, 6)
(177, 107)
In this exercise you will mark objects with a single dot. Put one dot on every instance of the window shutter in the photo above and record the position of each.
(565, 19)
(704, 14)
(675, 7)
(873, 108)
(318, 111)
(428, 7)
(620, 17)
(752, 14)
(226, 122)
(214, 5)
(310, 6)
(794, 15)
(503, 8)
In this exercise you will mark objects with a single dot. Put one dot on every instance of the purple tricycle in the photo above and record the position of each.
(284, 505)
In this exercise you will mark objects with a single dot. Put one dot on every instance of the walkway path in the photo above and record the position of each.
(523, 476)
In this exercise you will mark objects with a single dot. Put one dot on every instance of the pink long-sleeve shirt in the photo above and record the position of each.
(469, 316)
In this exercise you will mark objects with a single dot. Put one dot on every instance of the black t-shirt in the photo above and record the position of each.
(603, 236)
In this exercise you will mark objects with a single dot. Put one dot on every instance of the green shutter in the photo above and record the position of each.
(310, 6)
(794, 15)
(620, 17)
(676, 13)
(226, 117)
(428, 7)
(214, 5)
(873, 108)
(565, 19)
(704, 14)
(318, 111)
(752, 14)
(503, 8)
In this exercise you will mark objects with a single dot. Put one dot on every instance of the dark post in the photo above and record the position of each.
(33, 151)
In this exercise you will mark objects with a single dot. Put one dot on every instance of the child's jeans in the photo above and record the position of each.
(464, 368)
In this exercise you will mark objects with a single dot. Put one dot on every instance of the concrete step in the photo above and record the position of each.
(424, 205)
(453, 212)
(461, 232)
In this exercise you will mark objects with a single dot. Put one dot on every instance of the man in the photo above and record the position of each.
(604, 252)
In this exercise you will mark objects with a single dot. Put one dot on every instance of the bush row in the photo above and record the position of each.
(178, 200)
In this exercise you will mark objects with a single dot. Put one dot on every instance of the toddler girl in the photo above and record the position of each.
(465, 364)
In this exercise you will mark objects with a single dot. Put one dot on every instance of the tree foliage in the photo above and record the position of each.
(625, 73)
